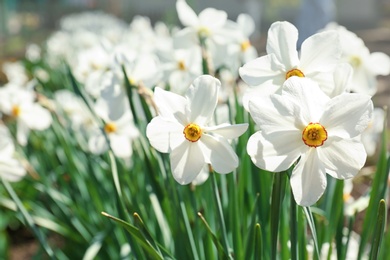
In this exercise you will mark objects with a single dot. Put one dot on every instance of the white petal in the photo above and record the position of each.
(7, 147)
(218, 153)
(11, 169)
(170, 105)
(121, 145)
(97, 143)
(320, 52)
(275, 152)
(22, 132)
(343, 158)
(379, 63)
(246, 23)
(262, 90)
(276, 114)
(342, 76)
(261, 70)
(212, 18)
(202, 98)
(187, 16)
(347, 115)
(186, 162)
(282, 41)
(308, 179)
(36, 117)
(164, 135)
(307, 94)
(226, 130)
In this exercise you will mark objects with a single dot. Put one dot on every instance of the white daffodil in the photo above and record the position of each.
(181, 67)
(372, 134)
(181, 129)
(20, 104)
(113, 108)
(366, 65)
(319, 55)
(11, 169)
(304, 126)
(209, 24)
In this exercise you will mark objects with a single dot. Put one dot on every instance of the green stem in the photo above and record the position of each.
(294, 229)
(225, 242)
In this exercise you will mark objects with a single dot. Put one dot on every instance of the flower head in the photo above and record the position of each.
(319, 55)
(304, 126)
(182, 129)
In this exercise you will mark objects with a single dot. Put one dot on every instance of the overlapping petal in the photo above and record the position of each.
(320, 52)
(308, 179)
(261, 70)
(170, 105)
(277, 151)
(347, 115)
(307, 94)
(11, 169)
(218, 152)
(275, 114)
(226, 130)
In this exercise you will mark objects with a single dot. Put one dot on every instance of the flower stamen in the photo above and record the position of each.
(110, 128)
(314, 135)
(16, 110)
(192, 132)
(295, 72)
(245, 45)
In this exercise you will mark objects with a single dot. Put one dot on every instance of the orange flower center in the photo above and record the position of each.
(192, 132)
(314, 135)
(181, 65)
(245, 45)
(16, 111)
(295, 72)
(110, 128)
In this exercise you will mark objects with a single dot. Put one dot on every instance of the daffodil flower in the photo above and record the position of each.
(319, 55)
(19, 103)
(182, 129)
(304, 126)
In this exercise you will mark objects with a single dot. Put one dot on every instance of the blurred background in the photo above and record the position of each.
(31, 21)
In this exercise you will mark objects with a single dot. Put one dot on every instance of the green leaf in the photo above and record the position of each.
(218, 245)
(135, 232)
(258, 242)
(379, 229)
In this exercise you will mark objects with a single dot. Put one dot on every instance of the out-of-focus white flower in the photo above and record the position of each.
(75, 109)
(114, 109)
(303, 123)
(91, 67)
(241, 51)
(209, 24)
(15, 72)
(33, 52)
(319, 55)
(11, 169)
(144, 69)
(372, 134)
(366, 65)
(181, 67)
(181, 129)
(20, 104)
